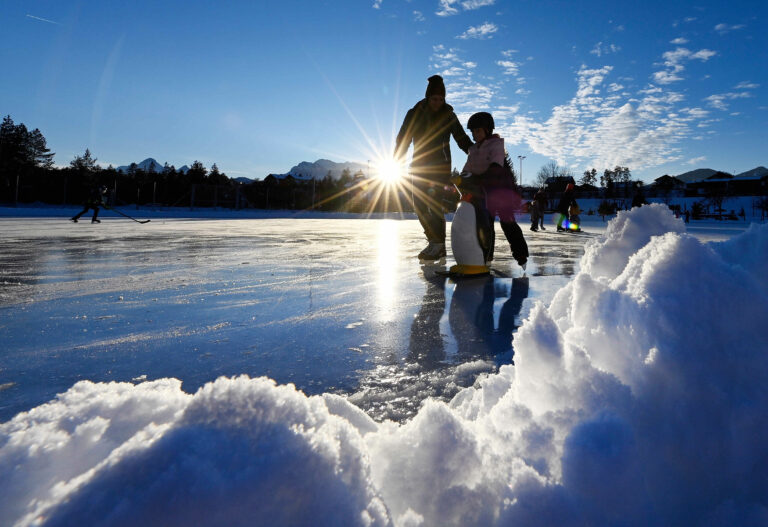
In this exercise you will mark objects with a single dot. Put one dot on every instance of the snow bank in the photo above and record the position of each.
(638, 397)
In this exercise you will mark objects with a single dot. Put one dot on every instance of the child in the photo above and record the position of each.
(564, 206)
(574, 220)
(486, 165)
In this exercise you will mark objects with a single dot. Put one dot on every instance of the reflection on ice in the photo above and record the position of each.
(388, 258)
(482, 314)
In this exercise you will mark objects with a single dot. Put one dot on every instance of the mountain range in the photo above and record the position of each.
(322, 167)
(150, 165)
(704, 173)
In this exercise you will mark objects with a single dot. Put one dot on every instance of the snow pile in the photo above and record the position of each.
(638, 397)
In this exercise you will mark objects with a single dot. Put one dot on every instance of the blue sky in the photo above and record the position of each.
(257, 87)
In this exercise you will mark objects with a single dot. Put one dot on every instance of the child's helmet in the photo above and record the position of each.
(481, 120)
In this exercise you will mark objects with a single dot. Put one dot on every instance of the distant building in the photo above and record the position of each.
(753, 184)
(668, 184)
(556, 184)
(286, 179)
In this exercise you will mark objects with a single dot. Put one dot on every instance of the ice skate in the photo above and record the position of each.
(433, 253)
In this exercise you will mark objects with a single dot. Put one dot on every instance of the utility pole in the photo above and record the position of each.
(521, 169)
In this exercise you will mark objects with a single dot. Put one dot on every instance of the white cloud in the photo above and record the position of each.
(679, 41)
(510, 67)
(451, 7)
(725, 28)
(589, 80)
(666, 77)
(601, 49)
(703, 55)
(470, 96)
(673, 62)
(602, 128)
(467, 91)
(453, 71)
(696, 160)
(447, 8)
(746, 86)
(442, 59)
(696, 113)
(469, 5)
(719, 100)
(418, 16)
(483, 31)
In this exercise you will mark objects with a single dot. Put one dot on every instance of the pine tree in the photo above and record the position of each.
(197, 172)
(85, 163)
(21, 148)
(39, 153)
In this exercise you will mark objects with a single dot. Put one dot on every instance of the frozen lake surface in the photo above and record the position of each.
(331, 305)
(636, 395)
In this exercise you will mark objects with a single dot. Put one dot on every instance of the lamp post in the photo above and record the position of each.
(521, 169)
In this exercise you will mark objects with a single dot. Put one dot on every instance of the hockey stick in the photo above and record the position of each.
(129, 217)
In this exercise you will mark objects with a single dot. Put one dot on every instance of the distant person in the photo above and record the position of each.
(487, 168)
(564, 206)
(687, 216)
(574, 218)
(429, 125)
(638, 200)
(95, 200)
(538, 210)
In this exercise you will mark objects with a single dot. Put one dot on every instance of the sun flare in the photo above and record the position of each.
(389, 171)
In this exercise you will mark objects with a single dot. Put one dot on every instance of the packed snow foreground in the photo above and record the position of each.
(638, 397)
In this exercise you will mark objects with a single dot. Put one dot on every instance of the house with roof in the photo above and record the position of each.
(286, 179)
(752, 183)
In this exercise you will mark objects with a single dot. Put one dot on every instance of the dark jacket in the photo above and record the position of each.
(541, 200)
(96, 197)
(565, 202)
(430, 132)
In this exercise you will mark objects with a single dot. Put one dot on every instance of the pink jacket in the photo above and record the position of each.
(483, 154)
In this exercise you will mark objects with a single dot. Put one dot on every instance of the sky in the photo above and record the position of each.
(625, 406)
(257, 87)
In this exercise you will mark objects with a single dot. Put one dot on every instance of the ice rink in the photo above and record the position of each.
(331, 305)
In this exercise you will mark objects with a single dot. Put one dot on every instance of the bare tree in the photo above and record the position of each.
(551, 170)
(589, 177)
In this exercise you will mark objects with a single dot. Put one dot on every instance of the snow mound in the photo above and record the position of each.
(637, 398)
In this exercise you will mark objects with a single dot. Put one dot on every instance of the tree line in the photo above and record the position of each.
(28, 175)
(612, 182)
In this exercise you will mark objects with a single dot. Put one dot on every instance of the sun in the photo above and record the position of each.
(389, 171)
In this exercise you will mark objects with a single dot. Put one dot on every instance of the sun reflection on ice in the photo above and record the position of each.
(386, 280)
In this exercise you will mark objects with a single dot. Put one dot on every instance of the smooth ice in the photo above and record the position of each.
(330, 305)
